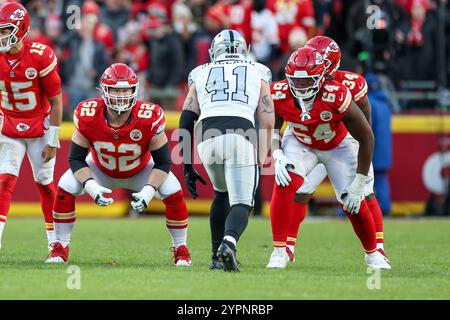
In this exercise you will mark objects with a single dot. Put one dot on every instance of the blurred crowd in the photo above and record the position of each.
(162, 40)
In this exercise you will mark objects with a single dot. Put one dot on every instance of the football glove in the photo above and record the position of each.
(282, 163)
(143, 198)
(97, 192)
(354, 194)
(191, 176)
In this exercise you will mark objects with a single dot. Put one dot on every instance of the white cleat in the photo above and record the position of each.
(55, 260)
(278, 259)
(377, 260)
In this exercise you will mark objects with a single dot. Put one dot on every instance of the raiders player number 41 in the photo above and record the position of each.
(224, 98)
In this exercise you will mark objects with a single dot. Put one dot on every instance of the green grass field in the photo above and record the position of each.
(130, 259)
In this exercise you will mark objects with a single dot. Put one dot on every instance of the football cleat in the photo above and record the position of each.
(278, 259)
(227, 257)
(377, 260)
(58, 254)
(215, 263)
(291, 255)
(181, 256)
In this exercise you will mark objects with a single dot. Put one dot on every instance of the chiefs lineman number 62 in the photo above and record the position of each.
(128, 150)
(30, 111)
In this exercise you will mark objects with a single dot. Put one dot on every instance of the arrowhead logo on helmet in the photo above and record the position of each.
(19, 14)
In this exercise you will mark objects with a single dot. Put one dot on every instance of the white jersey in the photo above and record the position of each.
(229, 87)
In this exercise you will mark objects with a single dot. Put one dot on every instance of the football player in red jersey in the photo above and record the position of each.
(324, 126)
(30, 111)
(358, 88)
(128, 149)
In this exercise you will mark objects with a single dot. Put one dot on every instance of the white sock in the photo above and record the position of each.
(2, 226)
(292, 248)
(63, 231)
(179, 236)
(230, 239)
(51, 236)
(380, 245)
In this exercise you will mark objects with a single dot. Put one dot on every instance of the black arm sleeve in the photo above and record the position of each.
(187, 121)
(161, 157)
(77, 157)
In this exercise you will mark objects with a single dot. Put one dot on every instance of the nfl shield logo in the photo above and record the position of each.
(136, 135)
(326, 115)
(31, 73)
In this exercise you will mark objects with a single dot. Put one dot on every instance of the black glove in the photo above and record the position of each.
(191, 176)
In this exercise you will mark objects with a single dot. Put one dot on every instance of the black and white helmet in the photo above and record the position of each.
(228, 44)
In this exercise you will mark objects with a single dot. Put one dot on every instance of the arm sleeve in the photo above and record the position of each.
(161, 157)
(77, 157)
(186, 126)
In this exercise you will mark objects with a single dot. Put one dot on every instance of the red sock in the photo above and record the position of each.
(7, 184)
(377, 215)
(364, 227)
(64, 207)
(298, 213)
(47, 194)
(280, 209)
(176, 211)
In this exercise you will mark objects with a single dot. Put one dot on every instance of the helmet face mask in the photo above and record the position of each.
(116, 99)
(304, 87)
(15, 17)
(305, 72)
(228, 44)
(10, 39)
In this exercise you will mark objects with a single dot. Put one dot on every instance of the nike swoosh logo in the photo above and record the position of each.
(342, 97)
(51, 55)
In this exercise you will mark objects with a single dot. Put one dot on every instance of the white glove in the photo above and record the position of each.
(96, 191)
(354, 194)
(282, 163)
(143, 198)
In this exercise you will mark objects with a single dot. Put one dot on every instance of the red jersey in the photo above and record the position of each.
(325, 130)
(290, 14)
(119, 152)
(26, 80)
(354, 82)
(240, 18)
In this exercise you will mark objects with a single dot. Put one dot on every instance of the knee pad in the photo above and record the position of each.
(70, 184)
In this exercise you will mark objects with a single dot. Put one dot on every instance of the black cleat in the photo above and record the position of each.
(227, 257)
(215, 263)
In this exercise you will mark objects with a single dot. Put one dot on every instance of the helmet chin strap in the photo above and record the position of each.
(305, 113)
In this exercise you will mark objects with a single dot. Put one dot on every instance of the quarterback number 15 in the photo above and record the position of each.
(23, 100)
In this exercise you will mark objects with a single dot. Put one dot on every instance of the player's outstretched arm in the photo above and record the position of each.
(79, 148)
(189, 114)
(52, 134)
(265, 114)
(159, 147)
(359, 128)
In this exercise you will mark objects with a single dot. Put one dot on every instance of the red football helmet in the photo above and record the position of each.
(330, 51)
(119, 76)
(304, 72)
(13, 15)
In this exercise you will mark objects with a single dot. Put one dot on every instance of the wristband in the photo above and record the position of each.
(85, 181)
(53, 136)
